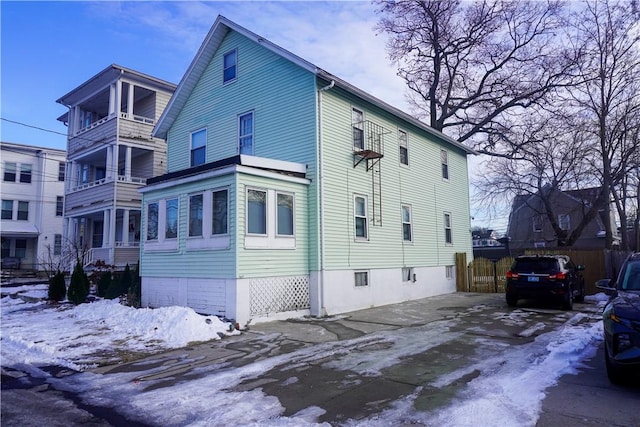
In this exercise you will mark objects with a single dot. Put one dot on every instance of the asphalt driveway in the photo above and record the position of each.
(360, 367)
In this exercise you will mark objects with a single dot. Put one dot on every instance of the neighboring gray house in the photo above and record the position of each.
(110, 155)
(529, 226)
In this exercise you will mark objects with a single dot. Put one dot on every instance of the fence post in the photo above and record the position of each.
(461, 272)
(495, 274)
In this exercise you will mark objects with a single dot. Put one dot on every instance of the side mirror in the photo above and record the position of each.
(605, 285)
(579, 267)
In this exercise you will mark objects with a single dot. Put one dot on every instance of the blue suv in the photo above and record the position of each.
(621, 318)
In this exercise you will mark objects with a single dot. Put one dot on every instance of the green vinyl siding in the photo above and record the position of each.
(419, 185)
(273, 262)
(184, 262)
(280, 94)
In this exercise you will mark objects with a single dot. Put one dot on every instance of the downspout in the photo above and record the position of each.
(320, 189)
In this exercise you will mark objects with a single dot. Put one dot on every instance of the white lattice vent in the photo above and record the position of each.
(278, 294)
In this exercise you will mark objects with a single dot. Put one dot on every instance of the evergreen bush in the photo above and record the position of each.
(103, 284)
(57, 287)
(133, 297)
(79, 286)
(121, 285)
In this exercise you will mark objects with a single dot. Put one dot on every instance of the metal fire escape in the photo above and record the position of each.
(368, 146)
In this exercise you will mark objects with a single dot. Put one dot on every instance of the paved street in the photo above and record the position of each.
(362, 365)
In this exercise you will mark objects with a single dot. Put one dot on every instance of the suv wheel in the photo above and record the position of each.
(567, 303)
(512, 300)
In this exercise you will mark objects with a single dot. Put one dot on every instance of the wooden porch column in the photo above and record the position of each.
(130, 101)
(112, 99)
(125, 227)
(106, 228)
(127, 164)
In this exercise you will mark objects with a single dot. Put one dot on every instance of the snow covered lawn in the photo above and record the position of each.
(505, 384)
(38, 333)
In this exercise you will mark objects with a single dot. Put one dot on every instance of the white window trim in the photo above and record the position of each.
(444, 160)
(404, 205)
(568, 220)
(161, 244)
(360, 126)
(366, 218)
(406, 146)
(450, 227)
(408, 275)
(209, 241)
(206, 136)
(270, 240)
(235, 77)
(293, 207)
(253, 131)
(368, 275)
(216, 190)
(203, 232)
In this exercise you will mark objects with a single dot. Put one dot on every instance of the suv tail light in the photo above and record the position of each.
(558, 276)
(512, 275)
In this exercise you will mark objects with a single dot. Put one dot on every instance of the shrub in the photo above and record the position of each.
(120, 286)
(133, 296)
(79, 286)
(103, 284)
(57, 287)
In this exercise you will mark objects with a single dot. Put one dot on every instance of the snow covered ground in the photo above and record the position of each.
(508, 391)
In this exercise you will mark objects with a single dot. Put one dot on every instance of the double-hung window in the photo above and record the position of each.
(152, 221)
(357, 123)
(245, 133)
(219, 212)
(25, 173)
(537, 223)
(230, 64)
(195, 215)
(61, 170)
(9, 171)
(7, 209)
(445, 164)
(284, 214)
(256, 212)
(404, 148)
(57, 244)
(23, 211)
(171, 219)
(564, 222)
(407, 232)
(360, 217)
(59, 205)
(448, 237)
(198, 147)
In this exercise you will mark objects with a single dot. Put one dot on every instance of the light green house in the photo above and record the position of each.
(290, 191)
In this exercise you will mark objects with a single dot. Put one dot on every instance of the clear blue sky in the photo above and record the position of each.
(49, 48)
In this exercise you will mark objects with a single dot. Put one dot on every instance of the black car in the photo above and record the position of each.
(621, 318)
(545, 277)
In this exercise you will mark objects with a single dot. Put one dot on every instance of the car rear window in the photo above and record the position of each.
(535, 265)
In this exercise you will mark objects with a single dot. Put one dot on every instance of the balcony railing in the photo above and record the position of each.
(121, 178)
(141, 119)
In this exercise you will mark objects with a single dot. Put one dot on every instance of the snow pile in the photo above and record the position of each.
(82, 336)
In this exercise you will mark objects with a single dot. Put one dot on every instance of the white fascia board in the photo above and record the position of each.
(189, 179)
(220, 172)
(265, 163)
(273, 175)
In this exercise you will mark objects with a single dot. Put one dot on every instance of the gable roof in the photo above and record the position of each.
(210, 45)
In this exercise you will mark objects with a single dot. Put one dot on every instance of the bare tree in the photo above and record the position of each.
(474, 67)
(558, 158)
(606, 35)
